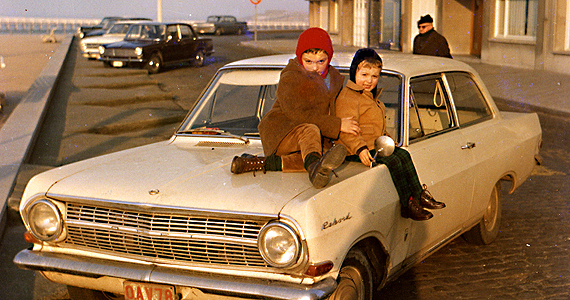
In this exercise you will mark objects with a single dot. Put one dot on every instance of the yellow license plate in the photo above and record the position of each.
(117, 64)
(148, 291)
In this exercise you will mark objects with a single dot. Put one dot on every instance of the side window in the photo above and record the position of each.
(429, 112)
(172, 32)
(469, 103)
(185, 32)
(391, 86)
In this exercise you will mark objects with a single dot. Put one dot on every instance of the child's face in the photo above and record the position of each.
(367, 77)
(317, 62)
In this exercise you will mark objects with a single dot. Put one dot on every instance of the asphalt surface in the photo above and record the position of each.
(528, 260)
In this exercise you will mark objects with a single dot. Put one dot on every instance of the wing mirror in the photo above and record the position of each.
(384, 146)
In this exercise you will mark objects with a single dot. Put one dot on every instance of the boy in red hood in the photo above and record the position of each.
(292, 131)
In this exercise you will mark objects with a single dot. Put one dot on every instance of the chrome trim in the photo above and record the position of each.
(208, 283)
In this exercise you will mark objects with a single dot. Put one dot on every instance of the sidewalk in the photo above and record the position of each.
(32, 68)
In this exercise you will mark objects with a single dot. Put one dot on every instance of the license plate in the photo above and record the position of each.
(148, 291)
(117, 64)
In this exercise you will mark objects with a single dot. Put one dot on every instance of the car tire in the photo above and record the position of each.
(77, 293)
(487, 230)
(355, 280)
(154, 64)
(199, 59)
(107, 64)
(218, 31)
(240, 31)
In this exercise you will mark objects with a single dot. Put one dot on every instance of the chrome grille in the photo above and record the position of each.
(120, 52)
(181, 238)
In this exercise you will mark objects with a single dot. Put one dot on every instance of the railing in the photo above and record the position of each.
(42, 25)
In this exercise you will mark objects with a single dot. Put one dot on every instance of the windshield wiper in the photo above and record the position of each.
(214, 131)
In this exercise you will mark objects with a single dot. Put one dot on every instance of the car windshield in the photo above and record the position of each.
(145, 32)
(237, 99)
(213, 19)
(119, 29)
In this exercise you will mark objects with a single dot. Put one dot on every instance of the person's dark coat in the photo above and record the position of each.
(431, 43)
(302, 97)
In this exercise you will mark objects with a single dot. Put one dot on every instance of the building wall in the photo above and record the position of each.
(548, 48)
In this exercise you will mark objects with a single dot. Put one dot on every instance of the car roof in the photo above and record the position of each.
(407, 64)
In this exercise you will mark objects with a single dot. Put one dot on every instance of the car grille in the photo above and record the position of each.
(120, 52)
(92, 46)
(164, 236)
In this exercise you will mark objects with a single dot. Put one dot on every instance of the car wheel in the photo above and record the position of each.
(199, 59)
(154, 64)
(77, 293)
(107, 64)
(488, 228)
(239, 31)
(219, 31)
(355, 280)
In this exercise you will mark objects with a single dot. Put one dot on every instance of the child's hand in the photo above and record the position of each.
(365, 157)
(348, 125)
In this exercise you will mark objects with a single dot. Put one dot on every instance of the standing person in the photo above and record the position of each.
(429, 41)
(292, 131)
(359, 100)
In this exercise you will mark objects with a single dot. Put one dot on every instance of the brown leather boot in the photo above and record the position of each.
(248, 163)
(320, 171)
(427, 201)
(414, 211)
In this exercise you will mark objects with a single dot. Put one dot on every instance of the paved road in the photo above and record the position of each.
(528, 260)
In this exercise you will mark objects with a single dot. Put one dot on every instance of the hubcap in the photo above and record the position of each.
(350, 286)
(490, 217)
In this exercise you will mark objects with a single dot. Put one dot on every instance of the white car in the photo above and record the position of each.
(169, 219)
(90, 45)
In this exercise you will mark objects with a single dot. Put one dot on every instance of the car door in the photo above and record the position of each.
(479, 125)
(171, 50)
(188, 42)
(442, 158)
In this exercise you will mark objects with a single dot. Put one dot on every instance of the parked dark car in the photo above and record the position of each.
(156, 44)
(83, 30)
(219, 25)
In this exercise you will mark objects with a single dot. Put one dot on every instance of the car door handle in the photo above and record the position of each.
(468, 146)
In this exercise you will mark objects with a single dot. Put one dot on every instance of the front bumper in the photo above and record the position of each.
(206, 282)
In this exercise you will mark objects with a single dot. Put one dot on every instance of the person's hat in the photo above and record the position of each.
(314, 37)
(425, 19)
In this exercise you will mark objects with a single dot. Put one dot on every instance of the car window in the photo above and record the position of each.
(430, 112)
(236, 101)
(185, 32)
(119, 28)
(391, 86)
(469, 102)
(172, 32)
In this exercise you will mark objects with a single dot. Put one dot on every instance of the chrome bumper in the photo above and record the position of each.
(207, 283)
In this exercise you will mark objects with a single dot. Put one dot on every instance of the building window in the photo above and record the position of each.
(516, 19)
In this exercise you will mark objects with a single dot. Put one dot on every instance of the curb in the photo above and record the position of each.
(19, 132)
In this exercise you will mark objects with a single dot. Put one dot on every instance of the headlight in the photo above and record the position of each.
(101, 50)
(138, 51)
(45, 220)
(279, 245)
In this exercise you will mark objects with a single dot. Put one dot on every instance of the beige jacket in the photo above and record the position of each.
(354, 101)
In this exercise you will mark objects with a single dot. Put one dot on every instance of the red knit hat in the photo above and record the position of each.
(314, 37)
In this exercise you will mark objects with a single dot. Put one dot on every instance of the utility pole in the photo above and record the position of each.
(159, 10)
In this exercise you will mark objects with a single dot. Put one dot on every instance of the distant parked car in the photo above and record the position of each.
(109, 24)
(170, 221)
(2, 95)
(154, 44)
(81, 31)
(90, 45)
(219, 25)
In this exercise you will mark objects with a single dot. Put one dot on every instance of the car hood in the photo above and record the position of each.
(104, 39)
(131, 44)
(178, 174)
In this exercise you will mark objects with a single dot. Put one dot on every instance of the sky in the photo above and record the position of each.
(171, 9)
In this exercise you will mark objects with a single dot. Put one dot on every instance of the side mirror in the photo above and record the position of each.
(384, 146)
